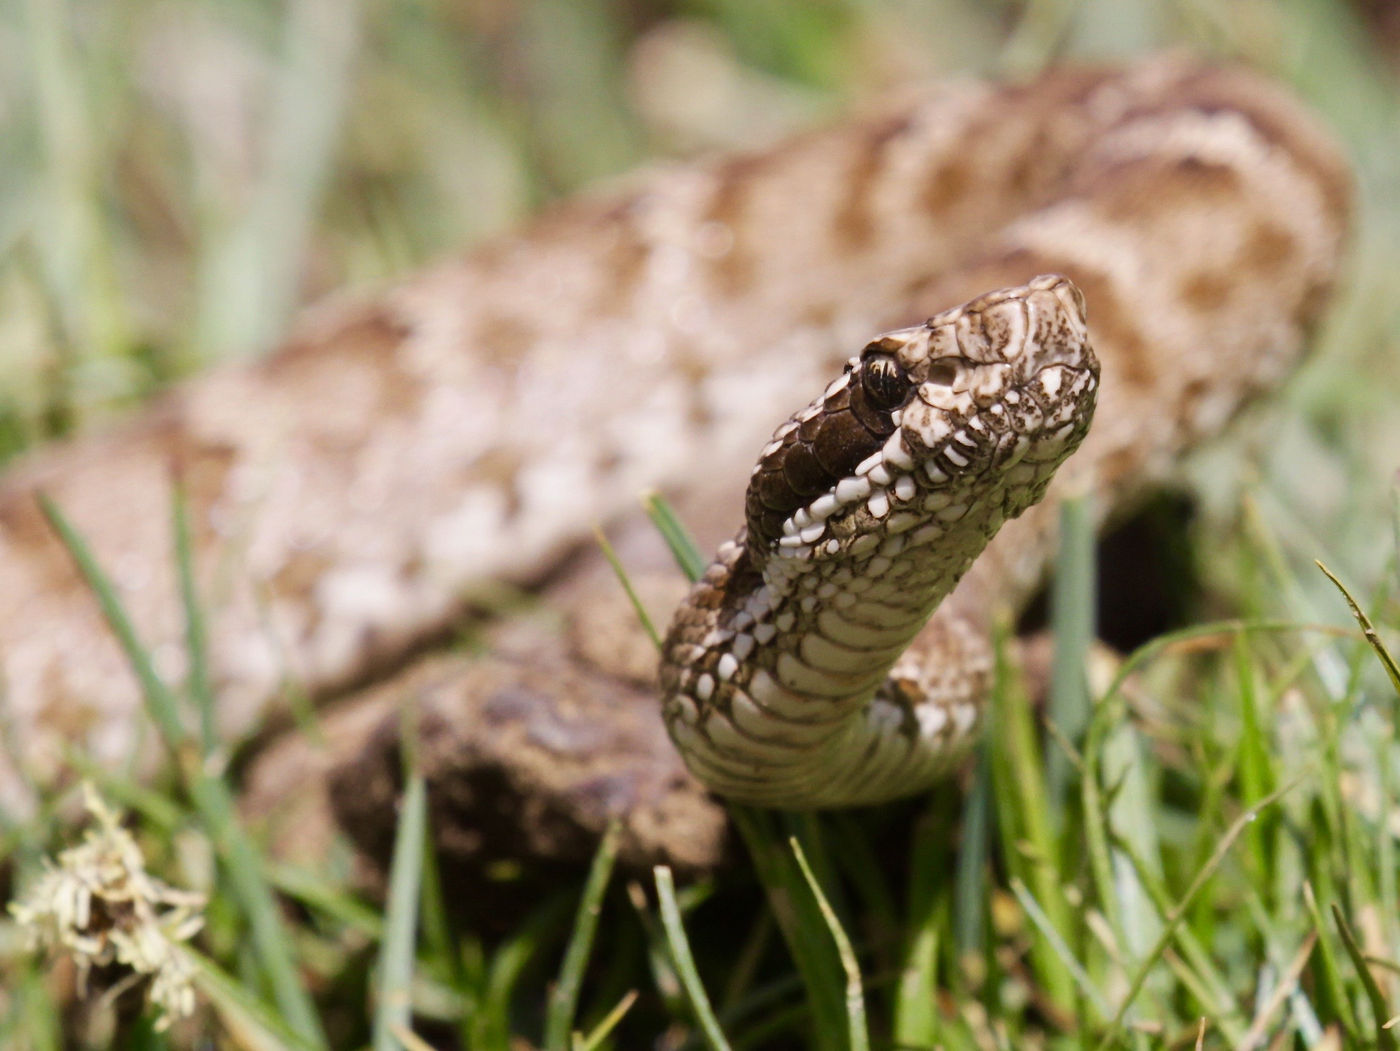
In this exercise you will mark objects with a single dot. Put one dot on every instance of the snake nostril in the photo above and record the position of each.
(943, 371)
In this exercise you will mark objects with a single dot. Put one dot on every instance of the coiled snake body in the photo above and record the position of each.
(353, 494)
(864, 512)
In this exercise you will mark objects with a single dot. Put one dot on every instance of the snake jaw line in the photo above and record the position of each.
(863, 512)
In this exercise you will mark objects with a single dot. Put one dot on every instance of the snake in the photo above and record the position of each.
(862, 514)
(438, 451)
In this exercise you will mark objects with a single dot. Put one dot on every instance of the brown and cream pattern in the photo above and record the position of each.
(404, 456)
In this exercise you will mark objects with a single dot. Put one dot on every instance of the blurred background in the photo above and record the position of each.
(178, 177)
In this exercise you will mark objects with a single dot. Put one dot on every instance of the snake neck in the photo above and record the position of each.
(772, 683)
(862, 514)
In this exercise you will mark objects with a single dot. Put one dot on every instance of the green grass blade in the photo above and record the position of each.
(1072, 623)
(1025, 822)
(799, 919)
(600, 1032)
(857, 1036)
(439, 945)
(200, 690)
(490, 1026)
(1208, 985)
(270, 937)
(1061, 949)
(684, 962)
(247, 1020)
(1331, 969)
(915, 1005)
(161, 703)
(1256, 772)
(317, 892)
(970, 873)
(409, 1040)
(394, 969)
(1178, 912)
(1263, 1020)
(210, 794)
(33, 1019)
(563, 999)
(81, 275)
(252, 257)
(626, 582)
(687, 553)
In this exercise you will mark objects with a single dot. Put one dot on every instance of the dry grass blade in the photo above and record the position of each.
(1385, 1036)
(1258, 1029)
(1368, 629)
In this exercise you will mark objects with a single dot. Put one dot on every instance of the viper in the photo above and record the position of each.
(410, 453)
(864, 511)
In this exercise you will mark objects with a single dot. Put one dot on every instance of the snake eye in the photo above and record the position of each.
(884, 381)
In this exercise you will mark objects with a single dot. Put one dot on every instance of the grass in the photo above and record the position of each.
(1135, 941)
(1194, 848)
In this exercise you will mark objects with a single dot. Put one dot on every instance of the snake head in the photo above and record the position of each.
(973, 409)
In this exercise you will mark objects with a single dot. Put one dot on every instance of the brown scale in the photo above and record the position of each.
(854, 422)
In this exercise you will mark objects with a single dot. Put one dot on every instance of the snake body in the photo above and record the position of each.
(354, 494)
(864, 512)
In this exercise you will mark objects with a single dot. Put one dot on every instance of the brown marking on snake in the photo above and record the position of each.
(1310, 309)
(202, 469)
(1204, 291)
(367, 338)
(945, 185)
(1117, 466)
(696, 370)
(505, 336)
(1113, 321)
(71, 715)
(500, 466)
(1021, 174)
(1158, 186)
(22, 524)
(608, 459)
(298, 575)
(1238, 96)
(1321, 169)
(23, 527)
(733, 270)
(853, 225)
(1267, 248)
(623, 262)
(817, 315)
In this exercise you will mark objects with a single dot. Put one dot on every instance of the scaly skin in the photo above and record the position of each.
(353, 493)
(864, 512)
